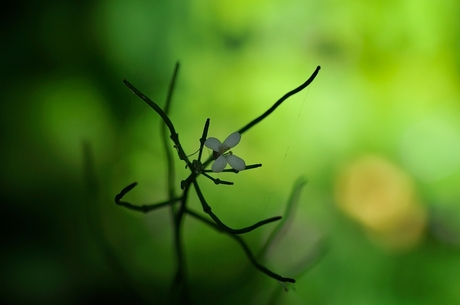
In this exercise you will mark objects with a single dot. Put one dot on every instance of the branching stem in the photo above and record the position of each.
(179, 288)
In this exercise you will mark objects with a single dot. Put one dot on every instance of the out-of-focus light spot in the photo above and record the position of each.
(72, 111)
(431, 150)
(236, 14)
(129, 31)
(382, 198)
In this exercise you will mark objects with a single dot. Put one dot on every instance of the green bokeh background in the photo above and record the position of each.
(389, 86)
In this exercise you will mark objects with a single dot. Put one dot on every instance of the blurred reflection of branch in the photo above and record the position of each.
(284, 225)
(93, 199)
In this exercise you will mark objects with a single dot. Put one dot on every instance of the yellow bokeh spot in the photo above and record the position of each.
(382, 197)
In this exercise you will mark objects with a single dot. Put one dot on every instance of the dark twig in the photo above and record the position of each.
(143, 208)
(243, 245)
(281, 100)
(207, 210)
(216, 180)
(203, 138)
(169, 157)
(154, 106)
(179, 284)
(174, 135)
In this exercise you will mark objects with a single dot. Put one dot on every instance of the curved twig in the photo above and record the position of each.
(245, 247)
(173, 134)
(207, 210)
(281, 100)
(143, 208)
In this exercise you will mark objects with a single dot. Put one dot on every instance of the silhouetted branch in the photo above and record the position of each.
(279, 102)
(203, 138)
(216, 180)
(207, 210)
(173, 134)
(245, 247)
(169, 157)
(144, 208)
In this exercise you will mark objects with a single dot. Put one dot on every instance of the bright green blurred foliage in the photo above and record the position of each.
(377, 135)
